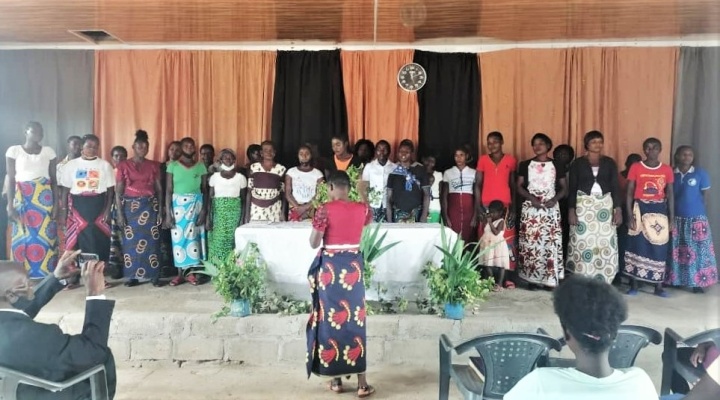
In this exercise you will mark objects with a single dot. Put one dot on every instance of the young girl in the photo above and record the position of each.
(301, 185)
(693, 263)
(227, 188)
(650, 202)
(264, 198)
(494, 253)
(435, 178)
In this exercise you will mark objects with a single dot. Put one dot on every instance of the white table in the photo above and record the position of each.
(285, 247)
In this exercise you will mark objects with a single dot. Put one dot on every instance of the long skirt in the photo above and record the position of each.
(541, 258)
(116, 252)
(85, 227)
(336, 328)
(593, 248)
(34, 234)
(693, 257)
(226, 213)
(648, 246)
(187, 237)
(271, 213)
(141, 238)
(461, 208)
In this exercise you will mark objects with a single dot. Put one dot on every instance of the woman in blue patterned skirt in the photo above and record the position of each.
(336, 330)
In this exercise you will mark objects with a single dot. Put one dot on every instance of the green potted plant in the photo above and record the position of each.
(371, 247)
(239, 279)
(456, 283)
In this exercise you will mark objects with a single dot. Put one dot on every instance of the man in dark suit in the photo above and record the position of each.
(43, 350)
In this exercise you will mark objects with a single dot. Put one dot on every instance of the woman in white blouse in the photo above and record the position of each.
(457, 196)
(31, 170)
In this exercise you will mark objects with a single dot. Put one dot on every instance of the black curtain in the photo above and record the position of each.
(309, 102)
(449, 105)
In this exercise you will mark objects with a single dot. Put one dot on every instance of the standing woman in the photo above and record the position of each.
(74, 147)
(172, 153)
(594, 212)
(336, 337)
(301, 186)
(693, 258)
(227, 189)
(118, 154)
(541, 257)
(457, 197)
(342, 157)
(496, 181)
(31, 174)
(265, 200)
(408, 188)
(185, 211)
(139, 199)
(90, 181)
(650, 204)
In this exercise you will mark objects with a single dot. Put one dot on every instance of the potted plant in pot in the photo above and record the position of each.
(239, 279)
(371, 247)
(456, 282)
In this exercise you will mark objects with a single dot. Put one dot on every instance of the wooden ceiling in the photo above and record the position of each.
(366, 21)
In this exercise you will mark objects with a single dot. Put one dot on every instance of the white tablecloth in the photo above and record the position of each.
(286, 249)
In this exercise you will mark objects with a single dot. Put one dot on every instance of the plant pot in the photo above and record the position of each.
(454, 311)
(240, 308)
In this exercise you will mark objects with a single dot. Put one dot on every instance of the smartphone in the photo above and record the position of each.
(83, 258)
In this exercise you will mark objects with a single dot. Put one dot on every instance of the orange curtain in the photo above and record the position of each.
(627, 93)
(377, 107)
(219, 97)
(523, 92)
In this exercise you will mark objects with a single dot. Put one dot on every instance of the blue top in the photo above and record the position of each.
(688, 190)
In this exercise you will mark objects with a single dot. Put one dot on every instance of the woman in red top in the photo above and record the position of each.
(650, 205)
(336, 329)
(496, 181)
(139, 198)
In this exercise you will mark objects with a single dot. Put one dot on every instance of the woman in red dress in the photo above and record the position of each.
(496, 181)
(336, 328)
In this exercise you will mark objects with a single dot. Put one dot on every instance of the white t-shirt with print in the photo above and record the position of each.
(227, 187)
(460, 181)
(304, 184)
(29, 167)
(571, 384)
(87, 176)
(435, 191)
(377, 175)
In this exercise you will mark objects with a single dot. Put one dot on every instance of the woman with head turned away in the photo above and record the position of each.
(336, 340)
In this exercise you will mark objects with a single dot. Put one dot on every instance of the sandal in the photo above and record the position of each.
(365, 391)
(178, 280)
(192, 279)
(335, 385)
(509, 285)
(496, 288)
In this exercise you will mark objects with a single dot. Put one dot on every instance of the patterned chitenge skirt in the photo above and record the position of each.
(648, 245)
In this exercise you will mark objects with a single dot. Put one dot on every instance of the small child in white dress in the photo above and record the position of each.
(494, 252)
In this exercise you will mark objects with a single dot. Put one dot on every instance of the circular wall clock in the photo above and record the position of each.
(411, 77)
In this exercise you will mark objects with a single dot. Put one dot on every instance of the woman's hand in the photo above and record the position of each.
(169, 221)
(474, 222)
(12, 213)
(617, 217)
(572, 217)
(550, 203)
(632, 224)
(698, 355)
(536, 202)
(120, 219)
(107, 217)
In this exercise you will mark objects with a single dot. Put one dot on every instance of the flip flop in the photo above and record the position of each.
(365, 391)
(509, 285)
(336, 386)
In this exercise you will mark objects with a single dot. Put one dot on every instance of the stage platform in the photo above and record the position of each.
(173, 324)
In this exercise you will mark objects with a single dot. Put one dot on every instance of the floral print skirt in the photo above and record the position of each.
(693, 256)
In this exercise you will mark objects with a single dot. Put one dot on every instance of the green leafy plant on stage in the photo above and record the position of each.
(272, 303)
(322, 195)
(239, 276)
(456, 281)
(371, 247)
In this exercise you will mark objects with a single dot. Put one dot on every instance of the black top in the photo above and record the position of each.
(523, 170)
(582, 179)
(407, 200)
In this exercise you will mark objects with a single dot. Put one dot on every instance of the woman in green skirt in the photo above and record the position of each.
(227, 188)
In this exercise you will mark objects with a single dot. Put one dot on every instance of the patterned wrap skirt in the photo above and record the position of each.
(141, 238)
(226, 214)
(116, 252)
(34, 234)
(541, 255)
(693, 256)
(593, 247)
(188, 239)
(379, 214)
(648, 246)
(336, 328)
(85, 227)
(407, 217)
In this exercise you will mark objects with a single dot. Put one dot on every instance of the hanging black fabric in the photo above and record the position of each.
(309, 102)
(449, 105)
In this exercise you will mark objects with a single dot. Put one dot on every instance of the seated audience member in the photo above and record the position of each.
(43, 350)
(707, 388)
(590, 313)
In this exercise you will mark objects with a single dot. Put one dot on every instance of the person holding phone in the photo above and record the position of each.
(43, 350)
